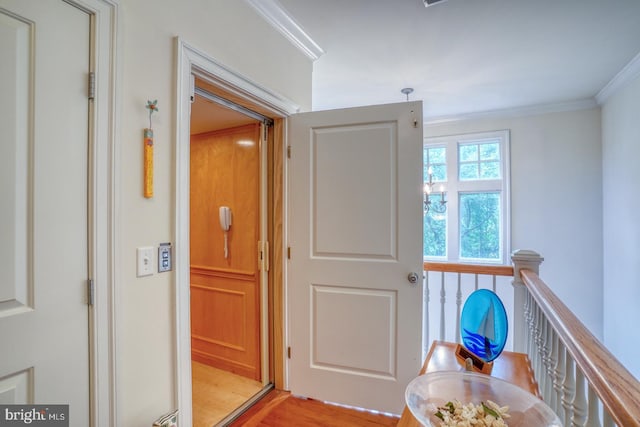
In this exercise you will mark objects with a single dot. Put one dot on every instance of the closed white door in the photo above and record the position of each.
(355, 233)
(44, 62)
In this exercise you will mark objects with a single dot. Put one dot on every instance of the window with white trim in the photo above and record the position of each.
(471, 174)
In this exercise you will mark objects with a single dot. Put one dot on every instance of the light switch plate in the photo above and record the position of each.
(145, 261)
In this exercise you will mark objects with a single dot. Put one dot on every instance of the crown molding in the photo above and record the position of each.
(627, 74)
(276, 15)
(532, 110)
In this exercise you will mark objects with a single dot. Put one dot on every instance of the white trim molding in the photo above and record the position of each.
(627, 74)
(202, 65)
(104, 261)
(276, 15)
(531, 110)
(193, 61)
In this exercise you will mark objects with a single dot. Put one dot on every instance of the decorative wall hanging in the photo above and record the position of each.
(148, 151)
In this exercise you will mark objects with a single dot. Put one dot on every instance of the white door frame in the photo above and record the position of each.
(102, 211)
(193, 61)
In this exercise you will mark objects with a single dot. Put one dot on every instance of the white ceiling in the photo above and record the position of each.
(466, 56)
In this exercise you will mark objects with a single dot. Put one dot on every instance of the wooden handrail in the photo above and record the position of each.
(448, 267)
(616, 387)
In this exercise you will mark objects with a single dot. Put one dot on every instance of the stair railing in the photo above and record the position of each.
(578, 377)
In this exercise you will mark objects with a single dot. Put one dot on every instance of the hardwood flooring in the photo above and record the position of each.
(280, 408)
(217, 393)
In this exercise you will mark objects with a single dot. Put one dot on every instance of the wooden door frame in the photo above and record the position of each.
(193, 61)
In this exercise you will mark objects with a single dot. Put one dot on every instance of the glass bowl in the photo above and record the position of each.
(427, 392)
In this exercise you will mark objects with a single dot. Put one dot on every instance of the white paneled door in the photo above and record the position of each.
(44, 329)
(355, 236)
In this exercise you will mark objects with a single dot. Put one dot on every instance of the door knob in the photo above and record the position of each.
(413, 278)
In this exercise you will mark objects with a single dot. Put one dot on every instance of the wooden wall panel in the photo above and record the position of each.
(225, 293)
(224, 319)
(224, 172)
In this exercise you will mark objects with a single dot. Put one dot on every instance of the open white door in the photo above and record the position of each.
(355, 233)
(44, 317)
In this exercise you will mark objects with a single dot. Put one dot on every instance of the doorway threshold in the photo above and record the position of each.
(245, 406)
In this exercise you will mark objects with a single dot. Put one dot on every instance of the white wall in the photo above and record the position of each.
(233, 34)
(621, 183)
(556, 200)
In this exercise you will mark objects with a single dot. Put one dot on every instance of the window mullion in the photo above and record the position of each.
(480, 185)
(452, 202)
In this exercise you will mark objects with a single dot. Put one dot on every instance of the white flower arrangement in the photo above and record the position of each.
(487, 414)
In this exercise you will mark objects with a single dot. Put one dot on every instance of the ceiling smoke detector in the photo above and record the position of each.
(428, 3)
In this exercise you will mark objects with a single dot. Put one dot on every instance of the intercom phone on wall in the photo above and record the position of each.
(225, 224)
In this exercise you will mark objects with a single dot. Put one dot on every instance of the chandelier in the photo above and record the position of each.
(439, 206)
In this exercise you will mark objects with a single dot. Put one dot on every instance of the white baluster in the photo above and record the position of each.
(579, 403)
(593, 401)
(560, 374)
(551, 371)
(537, 334)
(443, 299)
(525, 315)
(544, 356)
(476, 282)
(425, 317)
(528, 321)
(458, 307)
(540, 350)
(550, 361)
(533, 350)
(494, 283)
(568, 389)
(539, 369)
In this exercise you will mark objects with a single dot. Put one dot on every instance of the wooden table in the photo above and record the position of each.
(510, 366)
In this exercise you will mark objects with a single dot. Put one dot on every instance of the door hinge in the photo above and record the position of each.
(92, 85)
(192, 88)
(288, 252)
(263, 255)
(90, 292)
(414, 119)
(288, 352)
(288, 151)
(265, 129)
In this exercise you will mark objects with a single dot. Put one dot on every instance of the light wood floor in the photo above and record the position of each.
(281, 409)
(217, 393)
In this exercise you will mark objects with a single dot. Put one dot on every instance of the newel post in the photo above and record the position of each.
(522, 259)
